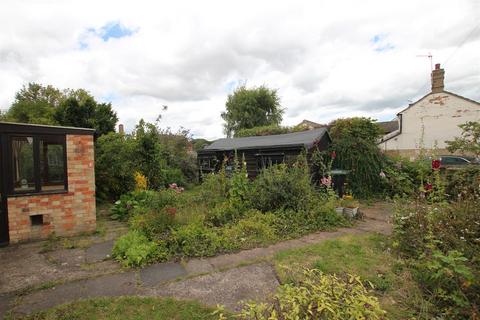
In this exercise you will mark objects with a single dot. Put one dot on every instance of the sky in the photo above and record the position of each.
(327, 59)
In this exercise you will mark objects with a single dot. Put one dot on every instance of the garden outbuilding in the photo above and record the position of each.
(261, 151)
(47, 181)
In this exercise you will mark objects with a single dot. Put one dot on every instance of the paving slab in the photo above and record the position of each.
(6, 303)
(198, 266)
(120, 284)
(99, 251)
(160, 273)
(229, 288)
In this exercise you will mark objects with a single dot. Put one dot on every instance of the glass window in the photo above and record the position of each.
(22, 160)
(52, 164)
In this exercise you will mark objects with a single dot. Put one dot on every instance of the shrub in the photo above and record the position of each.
(113, 165)
(194, 240)
(154, 224)
(135, 250)
(464, 183)
(214, 188)
(318, 296)
(451, 284)
(453, 227)
(224, 213)
(253, 230)
(124, 207)
(281, 187)
(319, 215)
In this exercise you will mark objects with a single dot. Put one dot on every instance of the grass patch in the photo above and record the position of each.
(125, 308)
(367, 256)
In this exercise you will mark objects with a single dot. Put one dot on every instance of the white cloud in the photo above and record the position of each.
(327, 59)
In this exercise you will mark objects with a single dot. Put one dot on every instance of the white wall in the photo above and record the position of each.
(435, 118)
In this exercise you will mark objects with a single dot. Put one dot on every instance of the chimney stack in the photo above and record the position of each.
(120, 129)
(438, 76)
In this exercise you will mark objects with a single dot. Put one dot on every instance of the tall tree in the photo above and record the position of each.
(248, 108)
(36, 103)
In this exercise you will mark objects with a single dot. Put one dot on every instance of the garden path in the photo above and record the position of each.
(225, 279)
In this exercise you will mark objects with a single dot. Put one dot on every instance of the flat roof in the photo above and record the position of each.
(296, 139)
(14, 127)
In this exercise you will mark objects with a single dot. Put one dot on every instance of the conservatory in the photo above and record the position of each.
(47, 181)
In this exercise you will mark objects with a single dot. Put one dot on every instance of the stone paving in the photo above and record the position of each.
(216, 280)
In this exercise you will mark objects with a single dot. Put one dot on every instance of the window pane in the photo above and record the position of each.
(52, 166)
(22, 159)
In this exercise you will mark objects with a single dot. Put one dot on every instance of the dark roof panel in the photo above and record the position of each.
(14, 127)
(304, 139)
(388, 126)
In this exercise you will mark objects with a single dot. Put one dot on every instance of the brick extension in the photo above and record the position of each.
(65, 214)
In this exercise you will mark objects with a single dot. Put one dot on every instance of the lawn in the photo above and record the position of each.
(131, 308)
(367, 256)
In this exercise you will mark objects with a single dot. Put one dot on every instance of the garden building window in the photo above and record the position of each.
(38, 164)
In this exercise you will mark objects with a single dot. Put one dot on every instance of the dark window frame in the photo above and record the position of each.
(61, 138)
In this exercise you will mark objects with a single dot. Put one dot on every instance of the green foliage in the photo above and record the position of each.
(255, 229)
(215, 188)
(135, 250)
(240, 185)
(318, 296)
(441, 241)
(114, 169)
(451, 283)
(40, 104)
(469, 141)
(194, 240)
(160, 155)
(152, 223)
(355, 128)
(34, 103)
(463, 183)
(282, 187)
(249, 108)
(355, 144)
(405, 177)
(223, 213)
(267, 130)
(125, 308)
(124, 207)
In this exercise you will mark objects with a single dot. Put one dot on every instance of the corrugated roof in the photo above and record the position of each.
(304, 138)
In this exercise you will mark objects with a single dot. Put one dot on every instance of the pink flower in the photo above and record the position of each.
(326, 181)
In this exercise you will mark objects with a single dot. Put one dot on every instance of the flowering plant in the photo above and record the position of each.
(435, 164)
(326, 181)
(174, 186)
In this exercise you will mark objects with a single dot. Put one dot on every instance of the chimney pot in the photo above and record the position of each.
(121, 129)
(438, 76)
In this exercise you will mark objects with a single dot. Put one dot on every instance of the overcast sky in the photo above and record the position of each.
(328, 59)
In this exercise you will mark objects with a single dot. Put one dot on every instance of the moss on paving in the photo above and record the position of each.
(131, 308)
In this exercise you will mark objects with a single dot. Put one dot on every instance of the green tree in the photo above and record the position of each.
(114, 165)
(355, 144)
(249, 108)
(73, 113)
(469, 141)
(36, 103)
(355, 128)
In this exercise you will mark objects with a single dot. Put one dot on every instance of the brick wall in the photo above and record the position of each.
(65, 214)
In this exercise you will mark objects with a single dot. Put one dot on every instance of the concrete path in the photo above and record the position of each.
(226, 279)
